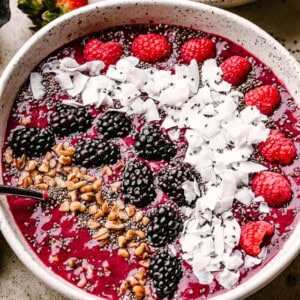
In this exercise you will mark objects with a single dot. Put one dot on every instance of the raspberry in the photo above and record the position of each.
(165, 271)
(109, 52)
(235, 69)
(154, 145)
(275, 188)
(94, 153)
(253, 235)
(165, 225)
(266, 98)
(66, 120)
(199, 49)
(114, 124)
(32, 142)
(151, 47)
(278, 148)
(137, 184)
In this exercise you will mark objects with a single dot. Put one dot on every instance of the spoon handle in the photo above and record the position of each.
(11, 190)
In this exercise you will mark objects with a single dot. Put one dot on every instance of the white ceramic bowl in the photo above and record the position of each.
(226, 3)
(115, 12)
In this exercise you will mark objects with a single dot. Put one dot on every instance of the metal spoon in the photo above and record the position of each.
(11, 190)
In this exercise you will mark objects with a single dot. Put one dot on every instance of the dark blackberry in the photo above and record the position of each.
(165, 271)
(137, 184)
(67, 120)
(94, 153)
(33, 142)
(114, 124)
(165, 225)
(154, 145)
(171, 178)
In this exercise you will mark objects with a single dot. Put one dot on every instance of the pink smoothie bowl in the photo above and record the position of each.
(111, 13)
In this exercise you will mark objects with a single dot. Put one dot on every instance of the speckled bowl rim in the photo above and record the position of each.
(290, 248)
(226, 3)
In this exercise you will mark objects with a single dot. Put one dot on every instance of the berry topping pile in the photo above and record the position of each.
(137, 184)
(114, 124)
(165, 271)
(199, 49)
(278, 148)
(169, 157)
(32, 142)
(67, 120)
(253, 235)
(109, 52)
(266, 98)
(165, 225)
(94, 153)
(235, 69)
(154, 145)
(151, 47)
(171, 180)
(273, 187)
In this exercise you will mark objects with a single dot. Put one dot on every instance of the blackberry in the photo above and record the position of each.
(114, 124)
(154, 145)
(137, 184)
(165, 225)
(94, 153)
(165, 271)
(67, 120)
(33, 142)
(171, 178)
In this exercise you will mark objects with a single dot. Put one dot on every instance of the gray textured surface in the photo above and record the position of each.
(276, 16)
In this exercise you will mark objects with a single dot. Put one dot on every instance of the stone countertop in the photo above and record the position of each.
(278, 17)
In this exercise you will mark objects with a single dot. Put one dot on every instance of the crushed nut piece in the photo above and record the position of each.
(122, 241)
(106, 170)
(138, 216)
(92, 224)
(87, 196)
(102, 234)
(130, 210)
(114, 226)
(8, 156)
(123, 252)
(140, 249)
(31, 165)
(21, 162)
(65, 206)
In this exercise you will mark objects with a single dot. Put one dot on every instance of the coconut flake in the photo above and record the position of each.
(36, 85)
(245, 196)
(228, 279)
(79, 81)
(251, 261)
(64, 80)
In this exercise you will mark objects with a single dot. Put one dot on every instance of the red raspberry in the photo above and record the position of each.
(151, 47)
(278, 148)
(253, 234)
(275, 188)
(199, 49)
(109, 52)
(266, 98)
(235, 69)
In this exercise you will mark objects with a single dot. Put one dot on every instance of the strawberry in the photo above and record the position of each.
(274, 187)
(199, 49)
(68, 5)
(266, 98)
(151, 47)
(108, 52)
(235, 69)
(41, 12)
(253, 235)
(278, 148)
